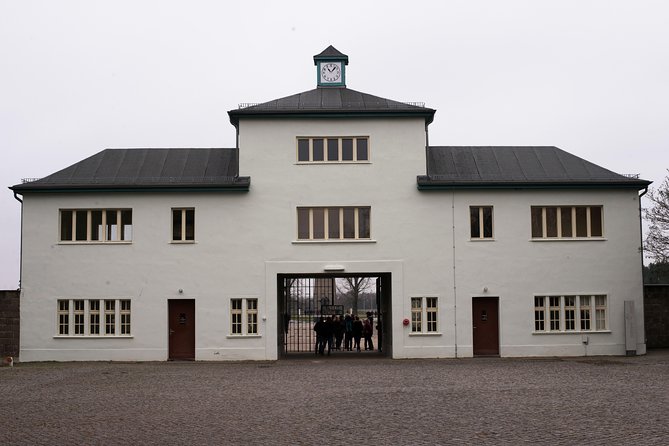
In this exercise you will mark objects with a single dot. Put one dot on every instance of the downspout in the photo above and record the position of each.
(16, 196)
(455, 289)
(645, 191)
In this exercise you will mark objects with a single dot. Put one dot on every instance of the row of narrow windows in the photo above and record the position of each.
(331, 223)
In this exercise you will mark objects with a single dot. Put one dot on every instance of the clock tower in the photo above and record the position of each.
(331, 68)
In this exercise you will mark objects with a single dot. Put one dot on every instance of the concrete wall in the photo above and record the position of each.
(656, 311)
(9, 323)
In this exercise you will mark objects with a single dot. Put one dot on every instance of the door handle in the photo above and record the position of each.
(171, 331)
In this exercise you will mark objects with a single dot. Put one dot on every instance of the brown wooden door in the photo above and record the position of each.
(485, 324)
(181, 329)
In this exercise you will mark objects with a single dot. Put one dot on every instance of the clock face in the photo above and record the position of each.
(331, 72)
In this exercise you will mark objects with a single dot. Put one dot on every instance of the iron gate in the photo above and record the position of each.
(305, 300)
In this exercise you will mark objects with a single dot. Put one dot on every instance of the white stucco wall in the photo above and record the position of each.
(243, 240)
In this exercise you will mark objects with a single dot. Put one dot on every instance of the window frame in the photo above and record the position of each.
(96, 318)
(481, 223)
(94, 230)
(309, 228)
(548, 226)
(424, 319)
(184, 211)
(325, 148)
(570, 313)
(244, 321)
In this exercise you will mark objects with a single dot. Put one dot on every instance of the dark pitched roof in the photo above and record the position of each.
(515, 167)
(331, 53)
(332, 102)
(148, 169)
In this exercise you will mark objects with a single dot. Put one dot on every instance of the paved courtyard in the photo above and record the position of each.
(340, 400)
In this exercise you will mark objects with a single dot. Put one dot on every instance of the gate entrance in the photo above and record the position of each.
(303, 300)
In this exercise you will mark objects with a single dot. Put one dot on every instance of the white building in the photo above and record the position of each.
(152, 254)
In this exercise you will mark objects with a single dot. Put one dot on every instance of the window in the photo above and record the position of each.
(424, 315)
(480, 218)
(81, 317)
(333, 149)
(566, 222)
(240, 310)
(95, 225)
(333, 223)
(570, 313)
(183, 225)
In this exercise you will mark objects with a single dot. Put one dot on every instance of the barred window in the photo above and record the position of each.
(570, 313)
(81, 317)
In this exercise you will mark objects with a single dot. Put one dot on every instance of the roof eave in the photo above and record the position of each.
(427, 114)
(425, 184)
(241, 184)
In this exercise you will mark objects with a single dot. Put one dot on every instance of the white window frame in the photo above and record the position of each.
(340, 146)
(560, 236)
(424, 320)
(326, 223)
(183, 211)
(562, 311)
(480, 209)
(93, 315)
(116, 238)
(248, 316)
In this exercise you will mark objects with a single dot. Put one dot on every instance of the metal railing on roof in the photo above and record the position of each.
(634, 176)
(247, 104)
(28, 180)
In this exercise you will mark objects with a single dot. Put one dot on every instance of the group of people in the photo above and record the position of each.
(349, 329)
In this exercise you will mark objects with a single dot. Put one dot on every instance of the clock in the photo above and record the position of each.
(331, 72)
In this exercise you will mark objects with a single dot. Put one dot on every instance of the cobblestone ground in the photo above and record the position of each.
(340, 400)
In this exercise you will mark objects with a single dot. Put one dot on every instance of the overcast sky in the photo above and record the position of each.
(76, 77)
